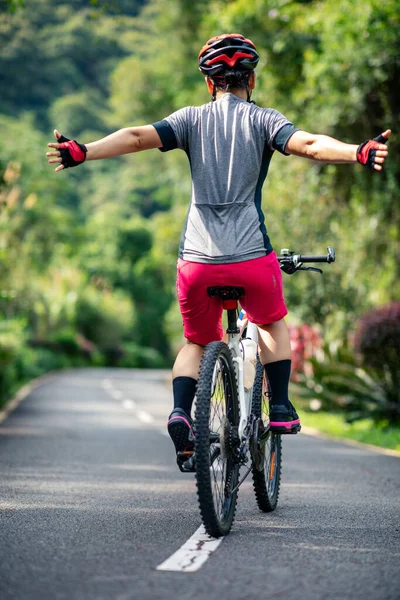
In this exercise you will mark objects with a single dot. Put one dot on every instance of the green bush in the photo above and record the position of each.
(26, 365)
(134, 356)
(67, 342)
(47, 360)
(104, 318)
(12, 338)
(20, 362)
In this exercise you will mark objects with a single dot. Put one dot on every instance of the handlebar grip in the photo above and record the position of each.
(328, 258)
(313, 259)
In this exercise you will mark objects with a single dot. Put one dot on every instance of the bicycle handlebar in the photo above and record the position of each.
(291, 262)
(288, 256)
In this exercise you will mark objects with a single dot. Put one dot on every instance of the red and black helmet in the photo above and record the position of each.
(226, 52)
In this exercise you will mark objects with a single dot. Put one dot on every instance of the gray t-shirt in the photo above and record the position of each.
(229, 144)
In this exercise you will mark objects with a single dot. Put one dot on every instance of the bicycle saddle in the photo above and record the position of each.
(225, 292)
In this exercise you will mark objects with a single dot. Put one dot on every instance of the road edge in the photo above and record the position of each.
(23, 393)
(311, 431)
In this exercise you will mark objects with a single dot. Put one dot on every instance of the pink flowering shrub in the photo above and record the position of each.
(304, 342)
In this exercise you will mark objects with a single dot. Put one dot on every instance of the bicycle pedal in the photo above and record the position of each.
(186, 461)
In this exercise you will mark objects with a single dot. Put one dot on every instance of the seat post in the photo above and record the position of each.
(231, 305)
(232, 321)
(229, 296)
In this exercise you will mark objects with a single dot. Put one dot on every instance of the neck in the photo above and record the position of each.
(239, 92)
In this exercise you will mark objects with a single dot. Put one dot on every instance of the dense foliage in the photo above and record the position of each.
(87, 257)
(377, 342)
(377, 339)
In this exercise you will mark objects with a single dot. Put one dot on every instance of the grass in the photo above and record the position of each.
(365, 431)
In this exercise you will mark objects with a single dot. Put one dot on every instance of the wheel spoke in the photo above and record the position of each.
(217, 413)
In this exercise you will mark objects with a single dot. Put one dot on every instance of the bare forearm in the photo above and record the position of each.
(121, 142)
(327, 149)
(321, 147)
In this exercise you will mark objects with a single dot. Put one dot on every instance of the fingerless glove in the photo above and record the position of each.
(72, 153)
(366, 151)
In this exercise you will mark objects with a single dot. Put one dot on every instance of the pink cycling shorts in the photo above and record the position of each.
(202, 316)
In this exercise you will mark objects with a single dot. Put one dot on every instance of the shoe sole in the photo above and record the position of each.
(178, 429)
(285, 427)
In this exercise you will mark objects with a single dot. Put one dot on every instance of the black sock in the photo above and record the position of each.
(184, 389)
(278, 374)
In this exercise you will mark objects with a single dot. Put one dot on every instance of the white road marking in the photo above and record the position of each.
(193, 554)
(164, 432)
(144, 416)
(129, 404)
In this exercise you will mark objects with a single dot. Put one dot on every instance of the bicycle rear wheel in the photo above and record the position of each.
(267, 456)
(216, 432)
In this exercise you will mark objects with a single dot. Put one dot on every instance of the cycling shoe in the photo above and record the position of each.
(181, 433)
(284, 419)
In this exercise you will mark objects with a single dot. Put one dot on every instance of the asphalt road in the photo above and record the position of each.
(91, 503)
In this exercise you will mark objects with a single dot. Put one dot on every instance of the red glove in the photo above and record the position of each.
(72, 153)
(366, 151)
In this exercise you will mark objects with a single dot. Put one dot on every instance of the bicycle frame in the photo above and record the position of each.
(245, 396)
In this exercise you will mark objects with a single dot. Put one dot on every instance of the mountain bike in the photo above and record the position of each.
(231, 426)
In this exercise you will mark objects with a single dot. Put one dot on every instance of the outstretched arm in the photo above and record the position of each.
(326, 149)
(124, 141)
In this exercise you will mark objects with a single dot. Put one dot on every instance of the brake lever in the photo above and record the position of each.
(320, 271)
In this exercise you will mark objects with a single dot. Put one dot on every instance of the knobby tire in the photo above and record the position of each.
(266, 482)
(216, 405)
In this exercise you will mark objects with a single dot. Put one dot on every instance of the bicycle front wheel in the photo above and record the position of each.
(267, 452)
(216, 439)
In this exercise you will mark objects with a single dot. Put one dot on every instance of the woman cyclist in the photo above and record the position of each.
(229, 142)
